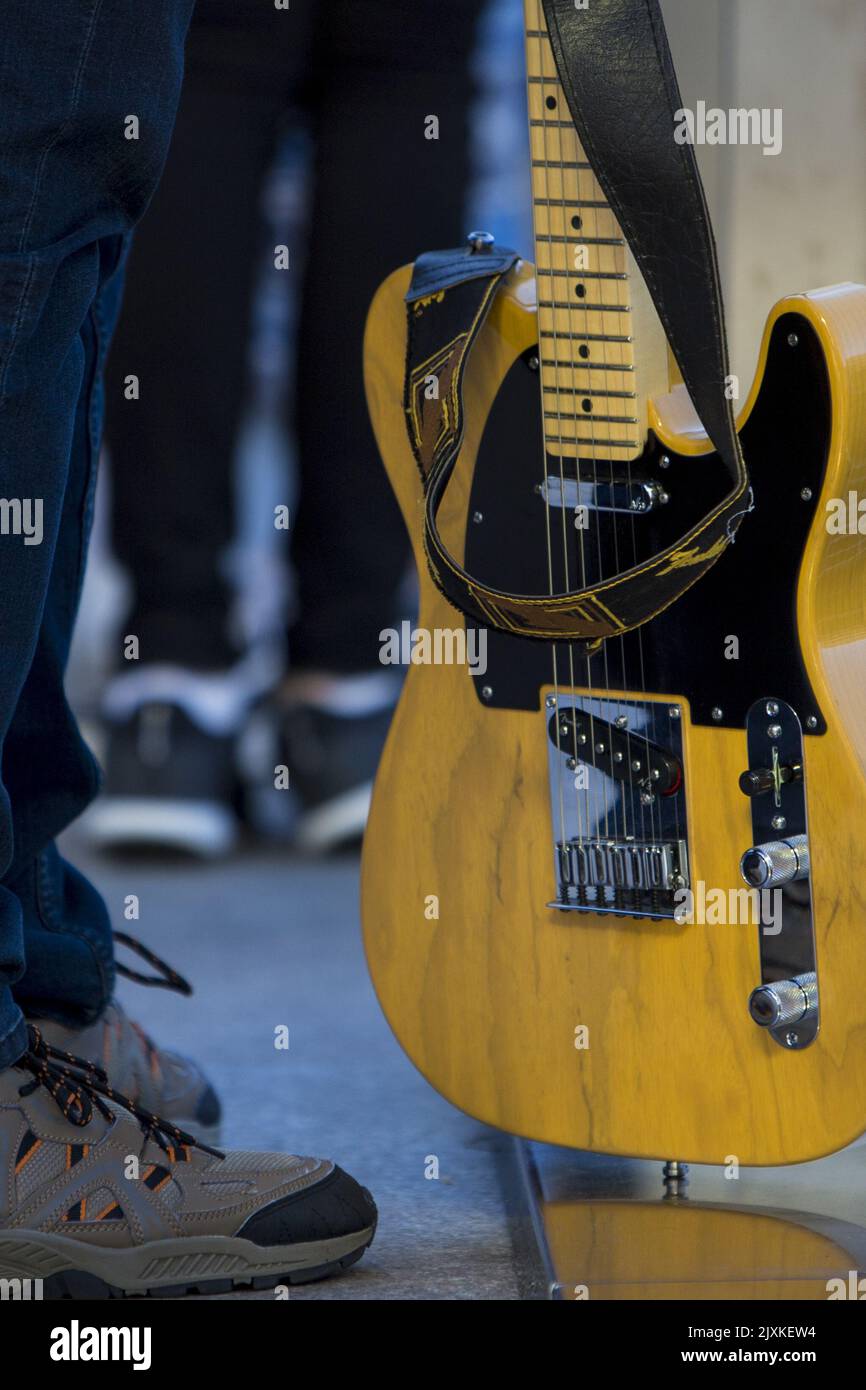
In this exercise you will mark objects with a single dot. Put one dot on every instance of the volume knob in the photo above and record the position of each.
(775, 863)
(785, 1002)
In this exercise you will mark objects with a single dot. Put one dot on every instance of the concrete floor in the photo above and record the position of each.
(268, 940)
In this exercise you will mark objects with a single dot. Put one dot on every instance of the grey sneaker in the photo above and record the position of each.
(165, 1083)
(99, 1198)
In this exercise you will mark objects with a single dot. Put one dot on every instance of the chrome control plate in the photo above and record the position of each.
(774, 738)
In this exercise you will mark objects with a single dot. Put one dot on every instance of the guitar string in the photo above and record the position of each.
(589, 783)
(563, 839)
(647, 794)
(576, 319)
(642, 735)
(632, 798)
(625, 711)
(586, 824)
(594, 707)
(649, 707)
(648, 790)
(590, 822)
(610, 523)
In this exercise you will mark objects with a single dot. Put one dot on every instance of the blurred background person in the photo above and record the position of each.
(385, 181)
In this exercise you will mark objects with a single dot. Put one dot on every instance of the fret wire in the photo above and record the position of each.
(587, 416)
(618, 395)
(584, 240)
(583, 274)
(590, 337)
(588, 366)
(594, 308)
(560, 164)
(588, 439)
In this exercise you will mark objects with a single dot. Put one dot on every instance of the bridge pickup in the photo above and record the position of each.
(631, 496)
(619, 752)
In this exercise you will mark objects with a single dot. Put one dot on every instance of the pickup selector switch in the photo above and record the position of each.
(758, 780)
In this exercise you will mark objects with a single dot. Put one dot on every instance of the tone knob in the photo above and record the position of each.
(775, 863)
(785, 1002)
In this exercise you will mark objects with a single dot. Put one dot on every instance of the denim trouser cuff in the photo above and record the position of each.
(68, 973)
(14, 1044)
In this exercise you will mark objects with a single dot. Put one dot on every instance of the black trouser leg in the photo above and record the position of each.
(184, 333)
(383, 193)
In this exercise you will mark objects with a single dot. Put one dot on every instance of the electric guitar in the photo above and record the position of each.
(613, 889)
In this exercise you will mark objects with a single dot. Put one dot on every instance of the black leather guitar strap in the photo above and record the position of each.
(616, 71)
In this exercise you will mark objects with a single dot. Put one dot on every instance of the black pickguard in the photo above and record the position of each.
(750, 592)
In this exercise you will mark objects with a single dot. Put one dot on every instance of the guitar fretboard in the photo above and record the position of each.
(592, 302)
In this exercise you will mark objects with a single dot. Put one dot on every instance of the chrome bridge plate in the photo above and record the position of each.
(620, 846)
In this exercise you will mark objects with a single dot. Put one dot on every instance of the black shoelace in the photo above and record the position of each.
(166, 979)
(78, 1087)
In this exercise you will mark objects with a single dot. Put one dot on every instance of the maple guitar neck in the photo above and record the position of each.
(601, 347)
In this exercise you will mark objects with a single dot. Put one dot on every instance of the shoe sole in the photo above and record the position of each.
(171, 1268)
(335, 822)
(202, 828)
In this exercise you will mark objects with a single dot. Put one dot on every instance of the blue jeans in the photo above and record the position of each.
(88, 93)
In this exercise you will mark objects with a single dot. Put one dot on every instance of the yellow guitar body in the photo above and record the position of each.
(611, 1033)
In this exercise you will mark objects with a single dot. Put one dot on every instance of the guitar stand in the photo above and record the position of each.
(675, 1177)
(599, 1228)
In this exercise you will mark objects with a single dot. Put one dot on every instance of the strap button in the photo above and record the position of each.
(481, 241)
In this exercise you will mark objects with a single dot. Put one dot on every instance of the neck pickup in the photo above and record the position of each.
(615, 750)
(629, 495)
